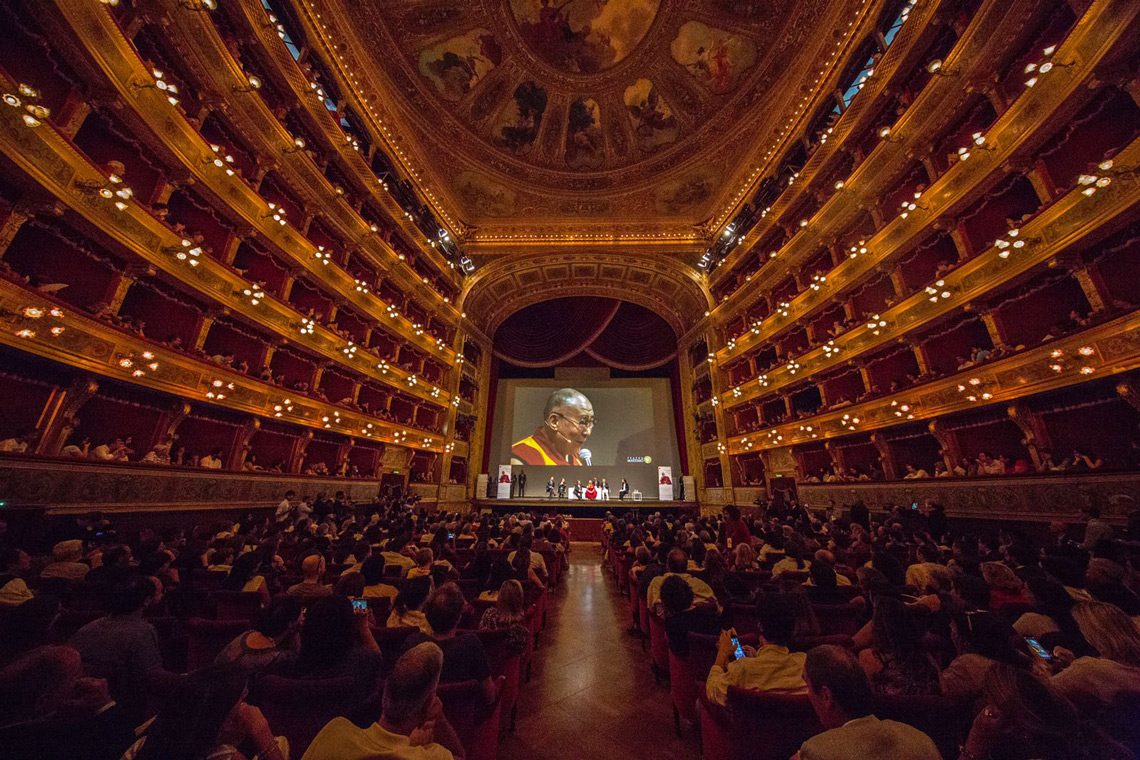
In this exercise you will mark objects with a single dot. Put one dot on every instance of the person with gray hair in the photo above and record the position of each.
(412, 725)
(567, 422)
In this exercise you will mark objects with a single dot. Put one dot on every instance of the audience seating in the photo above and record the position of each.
(298, 708)
(756, 726)
(945, 720)
(236, 605)
(507, 665)
(476, 724)
(209, 637)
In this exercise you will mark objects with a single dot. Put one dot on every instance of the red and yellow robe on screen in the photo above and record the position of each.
(539, 450)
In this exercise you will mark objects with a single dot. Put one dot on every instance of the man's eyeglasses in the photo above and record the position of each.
(584, 423)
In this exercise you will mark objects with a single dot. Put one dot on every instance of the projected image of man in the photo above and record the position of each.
(567, 422)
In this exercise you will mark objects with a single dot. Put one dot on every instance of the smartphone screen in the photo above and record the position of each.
(360, 606)
(1038, 650)
(914, 505)
(738, 651)
(450, 536)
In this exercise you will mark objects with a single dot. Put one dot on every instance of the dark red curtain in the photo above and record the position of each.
(618, 334)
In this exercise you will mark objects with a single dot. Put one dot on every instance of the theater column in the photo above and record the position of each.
(297, 455)
(168, 423)
(947, 444)
(239, 449)
(57, 420)
(886, 456)
(1036, 436)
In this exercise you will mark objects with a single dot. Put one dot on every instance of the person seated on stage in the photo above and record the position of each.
(624, 490)
(772, 667)
(578, 490)
(604, 490)
(550, 487)
(591, 492)
(678, 564)
(464, 658)
(411, 726)
(843, 701)
(562, 488)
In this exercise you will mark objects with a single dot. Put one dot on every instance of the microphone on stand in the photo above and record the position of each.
(585, 455)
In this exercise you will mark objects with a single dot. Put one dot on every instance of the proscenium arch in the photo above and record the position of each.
(506, 284)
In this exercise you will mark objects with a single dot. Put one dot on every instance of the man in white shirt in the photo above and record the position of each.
(412, 725)
(285, 508)
(842, 698)
(678, 564)
(109, 452)
(17, 445)
(212, 461)
(772, 667)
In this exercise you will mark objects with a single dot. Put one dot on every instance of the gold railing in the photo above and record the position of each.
(1070, 218)
(50, 160)
(1102, 351)
(38, 325)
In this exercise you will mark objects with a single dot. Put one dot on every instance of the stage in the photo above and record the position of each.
(585, 516)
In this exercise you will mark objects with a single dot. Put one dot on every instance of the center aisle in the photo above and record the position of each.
(592, 695)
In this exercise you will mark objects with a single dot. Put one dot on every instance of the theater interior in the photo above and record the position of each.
(783, 354)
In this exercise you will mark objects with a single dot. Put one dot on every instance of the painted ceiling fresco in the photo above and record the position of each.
(534, 116)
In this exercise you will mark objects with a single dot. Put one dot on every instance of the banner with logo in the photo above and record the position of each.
(665, 483)
(503, 483)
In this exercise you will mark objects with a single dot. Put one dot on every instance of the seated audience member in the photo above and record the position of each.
(393, 557)
(407, 610)
(464, 658)
(350, 585)
(793, 562)
(1098, 683)
(981, 639)
(372, 569)
(53, 712)
(681, 617)
(122, 647)
(677, 564)
(822, 586)
(310, 587)
(243, 576)
(411, 726)
(843, 701)
(772, 667)
(744, 558)
(1025, 718)
(207, 718)
(114, 566)
(508, 614)
(27, 626)
(14, 589)
(896, 663)
(269, 641)
(1006, 589)
(424, 560)
(335, 642)
(66, 562)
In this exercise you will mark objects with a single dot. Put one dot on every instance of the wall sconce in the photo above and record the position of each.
(938, 69)
(297, 145)
(252, 83)
(160, 84)
(1044, 66)
(187, 252)
(198, 5)
(33, 114)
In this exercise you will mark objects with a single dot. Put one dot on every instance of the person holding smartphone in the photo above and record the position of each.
(771, 667)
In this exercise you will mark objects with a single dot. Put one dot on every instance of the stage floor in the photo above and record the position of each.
(583, 508)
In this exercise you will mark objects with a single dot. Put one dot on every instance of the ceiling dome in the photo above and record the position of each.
(583, 36)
